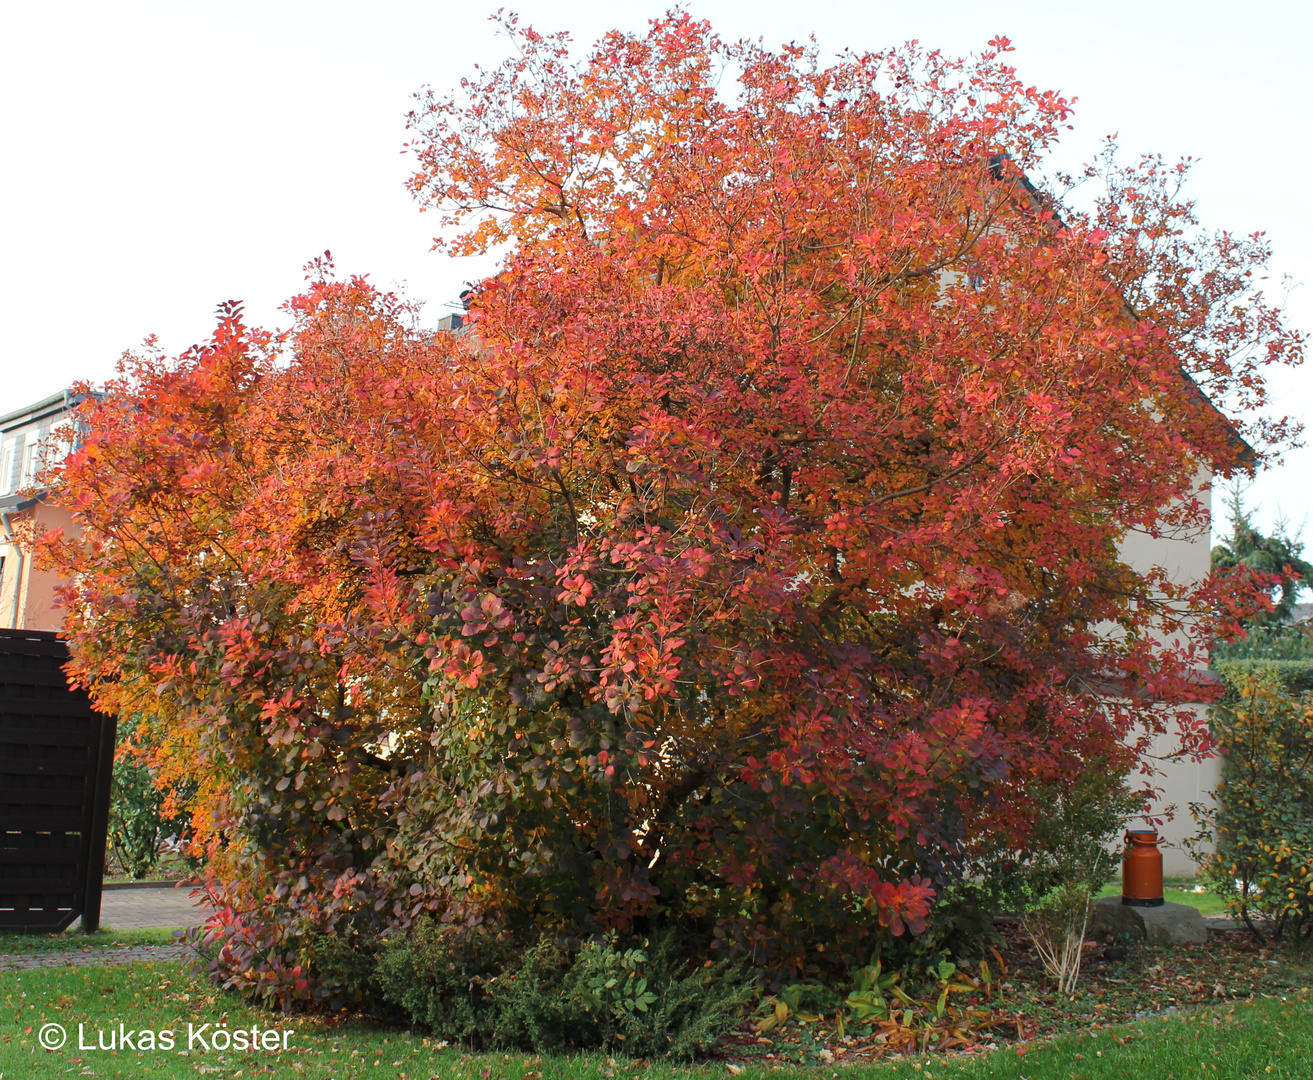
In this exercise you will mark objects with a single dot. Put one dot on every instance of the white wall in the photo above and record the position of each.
(1186, 557)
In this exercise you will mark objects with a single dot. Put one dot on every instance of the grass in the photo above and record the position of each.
(1179, 891)
(1262, 1038)
(1265, 1038)
(76, 940)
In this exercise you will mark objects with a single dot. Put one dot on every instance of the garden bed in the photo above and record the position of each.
(1119, 984)
(1227, 1008)
(1268, 1037)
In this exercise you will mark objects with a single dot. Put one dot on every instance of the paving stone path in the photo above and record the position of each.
(137, 909)
(124, 909)
(96, 956)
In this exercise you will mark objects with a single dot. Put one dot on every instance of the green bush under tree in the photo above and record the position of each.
(1071, 855)
(642, 996)
(1256, 842)
(138, 822)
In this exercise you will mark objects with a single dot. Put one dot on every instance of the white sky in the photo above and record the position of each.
(163, 155)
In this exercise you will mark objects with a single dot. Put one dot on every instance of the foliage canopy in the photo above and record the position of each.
(1261, 825)
(751, 565)
(1280, 555)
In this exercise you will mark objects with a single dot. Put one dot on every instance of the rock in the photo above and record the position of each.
(1171, 924)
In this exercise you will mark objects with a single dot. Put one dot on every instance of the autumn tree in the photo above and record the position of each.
(1280, 555)
(1275, 564)
(752, 562)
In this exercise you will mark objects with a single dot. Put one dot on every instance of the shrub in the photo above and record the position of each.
(134, 817)
(1293, 676)
(138, 822)
(1262, 823)
(344, 967)
(694, 1003)
(439, 979)
(1280, 644)
(960, 923)
(1070, 856)
(734, 564)
(649, 1000)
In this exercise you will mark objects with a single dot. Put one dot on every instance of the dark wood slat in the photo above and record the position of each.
(35, 887)
(44, 673)
(37, 920)
(17, 640)
(51, 880)
(43, 821)
(30, 661)
(31, 736)
(16, 757)
(39, 913)
(51, 856)
(38, 667)
(69, 707)
(28, 785)
(42, 857)
(52, 900)
(17, 682)
(33, 853)
(96, 835)
(23, 798)
(38, 892)
(55, 649)
(41, 840)
(39, 767)
(56, 926)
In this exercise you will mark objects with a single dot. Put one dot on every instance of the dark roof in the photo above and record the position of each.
(40, 410)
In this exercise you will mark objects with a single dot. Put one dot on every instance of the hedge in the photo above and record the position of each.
(1294, 676)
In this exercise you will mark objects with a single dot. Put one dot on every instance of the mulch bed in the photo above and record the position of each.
(1118, 984)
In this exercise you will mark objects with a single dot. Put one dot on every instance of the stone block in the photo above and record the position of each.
(1171, 924)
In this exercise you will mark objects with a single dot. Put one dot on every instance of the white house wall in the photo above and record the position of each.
(1186, 558)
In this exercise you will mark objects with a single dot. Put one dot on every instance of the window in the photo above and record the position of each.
(7, 467)
(31, 458)
(58, 444)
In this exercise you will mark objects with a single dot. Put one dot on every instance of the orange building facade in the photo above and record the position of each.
(38, 435)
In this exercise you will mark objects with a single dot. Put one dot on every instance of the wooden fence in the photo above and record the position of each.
(56, 766)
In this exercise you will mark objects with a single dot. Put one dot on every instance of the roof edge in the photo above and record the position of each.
(56, 402)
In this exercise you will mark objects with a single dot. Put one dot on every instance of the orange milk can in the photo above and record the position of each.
(1142, 869)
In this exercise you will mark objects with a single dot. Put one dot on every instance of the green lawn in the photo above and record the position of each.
(1272, 1038)
(1236, 1040)
(1179, 892)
